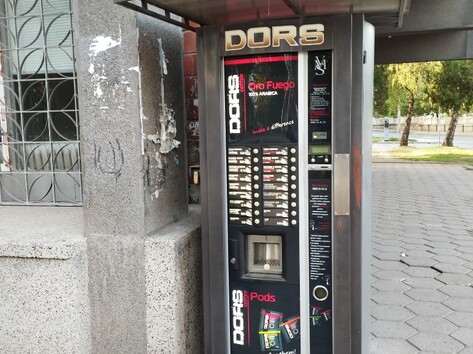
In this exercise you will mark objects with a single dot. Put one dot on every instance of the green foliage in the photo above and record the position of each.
(453, 86)
(412, 81)
(381, 93)
(436, 86)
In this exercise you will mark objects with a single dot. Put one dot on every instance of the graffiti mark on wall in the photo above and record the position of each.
(109, 158)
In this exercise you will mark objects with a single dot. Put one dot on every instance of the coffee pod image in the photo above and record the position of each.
(270, 341)
(269, 320)
(290, 328)
(269, 330)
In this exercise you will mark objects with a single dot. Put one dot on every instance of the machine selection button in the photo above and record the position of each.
(276, 222)
(275, 186)
(275, 195)
(256, 212)
(255, 150)
(293, 150)
(256, 195)
(271, 169)
(293, 159)
(293, 213)
(240, 212)
(256, 168)
(239, 160)
(278, 204)
(293, 195)
(293, 204)
(239, 203)
(293, 168)
(256, 186)
(240, 220)
(239, 177)
(255, 160)
(256, 178)
(293, 222)
(274, 160)
(275, 213)
(239, 169)
(275, 151)
(293, 186)
(239, 194)
(257, 203)
(293, 177)
(237, 186)
(275, 177)
(239, 151)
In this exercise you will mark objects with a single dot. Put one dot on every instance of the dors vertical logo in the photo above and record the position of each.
(238, 322)
(234, 104)
(264, 37)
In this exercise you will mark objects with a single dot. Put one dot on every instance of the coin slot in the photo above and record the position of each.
(320, 293)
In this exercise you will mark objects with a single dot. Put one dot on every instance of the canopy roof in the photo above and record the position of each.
(192, 14)
(406, 30)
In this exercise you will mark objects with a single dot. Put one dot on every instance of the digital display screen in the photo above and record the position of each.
(319, 135)
(319, 149)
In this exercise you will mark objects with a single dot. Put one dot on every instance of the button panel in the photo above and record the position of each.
(263, 185)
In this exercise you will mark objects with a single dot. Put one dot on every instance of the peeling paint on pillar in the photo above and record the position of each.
(165, 136)
(97, 70)
(101, 44)
(142, 115)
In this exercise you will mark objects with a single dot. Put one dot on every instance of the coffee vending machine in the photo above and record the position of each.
(285, 109)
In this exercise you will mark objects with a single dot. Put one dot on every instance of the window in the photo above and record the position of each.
(39, 120)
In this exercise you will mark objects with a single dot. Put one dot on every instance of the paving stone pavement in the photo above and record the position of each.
(422, 259)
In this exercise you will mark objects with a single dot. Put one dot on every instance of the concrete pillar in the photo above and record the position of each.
(133, 154)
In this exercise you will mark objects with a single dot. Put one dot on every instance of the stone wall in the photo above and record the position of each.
(44, 305)
(122, 274)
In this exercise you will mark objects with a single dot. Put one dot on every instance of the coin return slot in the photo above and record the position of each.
(264, 256)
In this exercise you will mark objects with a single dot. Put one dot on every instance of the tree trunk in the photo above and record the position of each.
(451, 130)
(407, 127)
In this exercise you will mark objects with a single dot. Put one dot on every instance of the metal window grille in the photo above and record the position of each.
(39, 118)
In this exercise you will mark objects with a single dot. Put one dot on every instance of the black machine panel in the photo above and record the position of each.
(320, 107)
(262, 183)
(320, 260)
(262, 147)
(320, 199)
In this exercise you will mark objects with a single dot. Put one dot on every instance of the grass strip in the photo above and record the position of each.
(434, 154)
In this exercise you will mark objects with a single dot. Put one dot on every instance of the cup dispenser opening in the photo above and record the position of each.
(264, 256)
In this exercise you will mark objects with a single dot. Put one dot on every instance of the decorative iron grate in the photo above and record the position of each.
(39, 118)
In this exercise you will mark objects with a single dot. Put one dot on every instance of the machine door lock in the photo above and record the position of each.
(233, 254)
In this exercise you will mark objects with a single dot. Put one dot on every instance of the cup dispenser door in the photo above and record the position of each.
(264, 256)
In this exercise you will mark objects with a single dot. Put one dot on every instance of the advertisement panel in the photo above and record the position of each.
(261, 98)
(261, 115)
